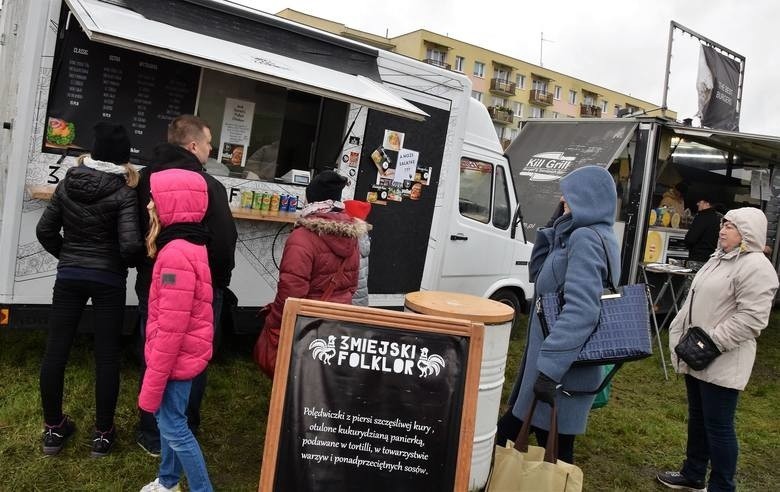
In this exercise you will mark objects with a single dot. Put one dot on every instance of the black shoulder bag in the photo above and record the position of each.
(696, 348)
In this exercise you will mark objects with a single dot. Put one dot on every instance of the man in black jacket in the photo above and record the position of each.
(188, 147)
(702, 236)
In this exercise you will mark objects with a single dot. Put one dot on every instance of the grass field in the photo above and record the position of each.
(641, 430)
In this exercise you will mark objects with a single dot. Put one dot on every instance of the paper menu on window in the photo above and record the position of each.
(406, 166)
(236, 130)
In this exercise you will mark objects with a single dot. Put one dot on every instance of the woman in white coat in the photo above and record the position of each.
(730, 298)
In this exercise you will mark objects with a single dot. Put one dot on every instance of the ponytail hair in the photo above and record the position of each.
(132, 175)
(154, 230)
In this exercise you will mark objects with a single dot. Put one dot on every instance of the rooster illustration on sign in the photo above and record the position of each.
(428, 365)
(322, 350)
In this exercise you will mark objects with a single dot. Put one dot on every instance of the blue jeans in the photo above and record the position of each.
(178, 447)
(711, 435)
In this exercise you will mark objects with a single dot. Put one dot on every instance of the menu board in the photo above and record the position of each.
(364, 395)
(94, 82)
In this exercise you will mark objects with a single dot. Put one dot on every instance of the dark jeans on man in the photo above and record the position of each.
(711, 435)
(68, 302)
(147, 425)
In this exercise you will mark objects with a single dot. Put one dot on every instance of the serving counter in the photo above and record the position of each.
(44, 192)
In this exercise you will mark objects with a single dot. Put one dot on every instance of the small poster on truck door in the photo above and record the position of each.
(407, 165)
(393, 140)
(236, 130)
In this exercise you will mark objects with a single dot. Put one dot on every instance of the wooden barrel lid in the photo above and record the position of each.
(461, 306)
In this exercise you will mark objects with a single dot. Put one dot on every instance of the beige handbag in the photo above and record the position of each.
(524, 468)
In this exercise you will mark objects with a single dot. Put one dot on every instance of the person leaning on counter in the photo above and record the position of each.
(702, 236)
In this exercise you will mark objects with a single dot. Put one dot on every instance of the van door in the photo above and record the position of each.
(479, 252)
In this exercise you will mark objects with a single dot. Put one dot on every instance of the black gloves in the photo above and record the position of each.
(545, 388)
(558, 212)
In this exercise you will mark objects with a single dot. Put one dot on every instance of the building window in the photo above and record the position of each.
(519, 109)
(539, 85)
(501, 74)
(435, 55)
(572, 97)
(555, 114)
(479, 69)
(459, 61)
(589, 100)
(476, 95)
(513, 133)
(558, 90)
(536, 112)
(617, 109)
(604, 107)
(520, 81)
(499, 101)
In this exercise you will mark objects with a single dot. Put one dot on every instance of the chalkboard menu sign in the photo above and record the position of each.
(367, 396)
(94, 82)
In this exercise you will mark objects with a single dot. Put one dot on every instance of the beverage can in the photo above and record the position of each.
(257, 202)
(284, 199)
(292, 203)
(275, 202)
(266, 201)
(246, 199)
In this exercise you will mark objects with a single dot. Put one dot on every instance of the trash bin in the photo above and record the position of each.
(497, 318)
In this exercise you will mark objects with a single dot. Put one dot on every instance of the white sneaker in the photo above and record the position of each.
(156, 486)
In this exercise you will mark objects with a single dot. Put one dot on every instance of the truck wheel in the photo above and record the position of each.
(510, 298)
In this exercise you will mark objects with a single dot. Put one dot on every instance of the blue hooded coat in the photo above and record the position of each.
(569, 257)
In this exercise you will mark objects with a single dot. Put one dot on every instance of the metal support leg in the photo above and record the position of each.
(655, 321)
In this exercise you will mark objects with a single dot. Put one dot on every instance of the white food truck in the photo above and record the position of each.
(284, 102)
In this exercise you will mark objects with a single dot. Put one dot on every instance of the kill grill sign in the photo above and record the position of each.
(367, 396)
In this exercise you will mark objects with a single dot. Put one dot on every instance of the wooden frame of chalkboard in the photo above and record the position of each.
(370, 397)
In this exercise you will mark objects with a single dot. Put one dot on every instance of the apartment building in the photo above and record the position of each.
(512, 89)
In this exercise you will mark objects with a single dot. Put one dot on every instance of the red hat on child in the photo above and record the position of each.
(357, 208)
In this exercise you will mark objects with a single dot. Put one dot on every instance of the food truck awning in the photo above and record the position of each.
(113, 24)
(546, 150)
(760, 147)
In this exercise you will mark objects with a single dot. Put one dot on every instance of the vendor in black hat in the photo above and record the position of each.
(702, 236)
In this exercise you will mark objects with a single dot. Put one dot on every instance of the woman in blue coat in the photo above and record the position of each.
(567, 257)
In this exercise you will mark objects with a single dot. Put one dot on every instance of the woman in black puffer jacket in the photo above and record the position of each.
(96, 207)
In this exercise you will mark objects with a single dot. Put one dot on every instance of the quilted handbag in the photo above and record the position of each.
(623, 331)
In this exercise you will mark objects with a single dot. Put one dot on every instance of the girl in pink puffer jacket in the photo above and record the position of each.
(179, 330)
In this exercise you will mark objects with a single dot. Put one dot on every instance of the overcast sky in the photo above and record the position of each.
(618, 44)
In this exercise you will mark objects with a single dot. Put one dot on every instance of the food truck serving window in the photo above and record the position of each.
(269, 113)
(262, 131)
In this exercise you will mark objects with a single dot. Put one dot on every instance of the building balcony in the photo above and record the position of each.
(590, 111)
(437, 63)
(502, 87)
(500, 114)
(540, 98)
